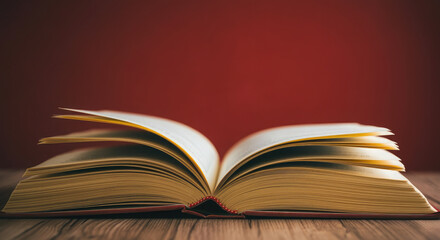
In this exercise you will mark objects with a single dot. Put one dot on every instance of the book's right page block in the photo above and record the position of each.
(286, 134)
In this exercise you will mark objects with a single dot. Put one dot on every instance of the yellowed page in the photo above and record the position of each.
(367, 141)
(357, 156)
(101, 177)
(130, 136)
(281, 135)
(325, 187)
(196, 146)
(126, 135)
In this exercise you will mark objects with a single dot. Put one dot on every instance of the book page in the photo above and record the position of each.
(116, 156)
(366, 141)
(105, 177)
(127, 135)
(259, 141)
(356, 156)
(191, 142)
(325, 187)
(135, 136)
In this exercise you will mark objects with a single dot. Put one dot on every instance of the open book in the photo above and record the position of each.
(317, 170)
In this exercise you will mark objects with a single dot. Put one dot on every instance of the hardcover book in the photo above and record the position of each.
(341, 170)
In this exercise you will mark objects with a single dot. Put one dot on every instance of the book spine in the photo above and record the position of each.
(204, 199)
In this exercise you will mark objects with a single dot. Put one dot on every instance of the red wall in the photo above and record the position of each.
(226, 68)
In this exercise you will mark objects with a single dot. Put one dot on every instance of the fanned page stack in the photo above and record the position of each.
(339, 170)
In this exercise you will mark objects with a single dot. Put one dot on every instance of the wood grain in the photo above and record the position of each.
(190, 228)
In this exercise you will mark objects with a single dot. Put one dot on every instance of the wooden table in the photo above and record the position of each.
(192, 228)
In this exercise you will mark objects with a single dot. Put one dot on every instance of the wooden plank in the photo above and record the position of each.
(216, 228)
(164, 228)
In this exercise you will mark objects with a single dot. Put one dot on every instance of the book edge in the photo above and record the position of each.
(191, 210)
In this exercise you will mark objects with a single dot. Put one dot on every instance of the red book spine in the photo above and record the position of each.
(193, 205)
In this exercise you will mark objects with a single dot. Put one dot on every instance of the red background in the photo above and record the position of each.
(226, 68)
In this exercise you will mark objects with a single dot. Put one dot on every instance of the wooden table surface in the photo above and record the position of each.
(192, 228)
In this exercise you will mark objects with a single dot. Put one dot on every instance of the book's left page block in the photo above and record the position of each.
(191, 142)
